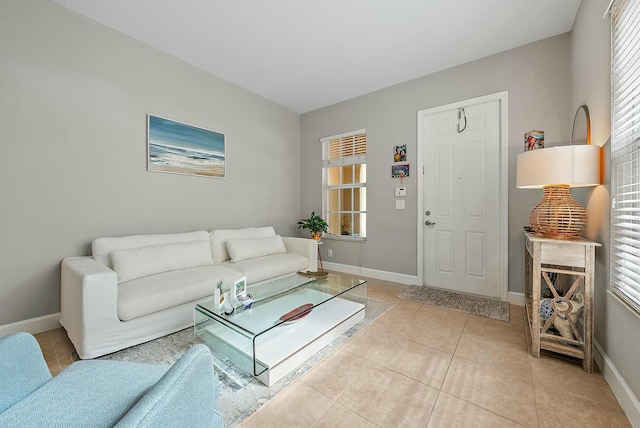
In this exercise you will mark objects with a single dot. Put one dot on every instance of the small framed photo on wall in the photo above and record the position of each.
(533, 140)
(400, 171)
(400, 153)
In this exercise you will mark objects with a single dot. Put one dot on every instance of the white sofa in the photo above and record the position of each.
(137, 288)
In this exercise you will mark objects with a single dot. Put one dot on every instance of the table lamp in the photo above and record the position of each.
(555, 170)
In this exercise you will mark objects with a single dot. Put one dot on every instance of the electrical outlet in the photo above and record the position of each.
(330, 252)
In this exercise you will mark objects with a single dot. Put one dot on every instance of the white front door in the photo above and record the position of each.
(461, 210)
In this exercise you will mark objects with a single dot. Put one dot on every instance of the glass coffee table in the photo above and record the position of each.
(291, 319)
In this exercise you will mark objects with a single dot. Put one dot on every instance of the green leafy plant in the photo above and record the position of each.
(314, 223)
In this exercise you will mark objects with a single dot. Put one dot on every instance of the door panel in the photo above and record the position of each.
(445, 181)
(444, 251)
(475, 254)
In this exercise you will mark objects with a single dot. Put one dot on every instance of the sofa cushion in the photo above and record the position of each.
(268, 267)
(103, 247)
(171, 289)
(220, 237)
(135, 263)
(243, 249)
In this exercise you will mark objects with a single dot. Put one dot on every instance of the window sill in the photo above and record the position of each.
(620, 300)
(344, 238)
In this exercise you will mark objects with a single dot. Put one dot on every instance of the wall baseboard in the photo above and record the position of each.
(516, 298)
(372, 273)
(628, 401)
(33, 325)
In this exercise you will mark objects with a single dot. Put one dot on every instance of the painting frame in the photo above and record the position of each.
(175, 147)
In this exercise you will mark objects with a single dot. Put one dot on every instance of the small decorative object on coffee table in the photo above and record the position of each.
(246, 299)
(238, 289)
(317, 274)
(297, 314)
(227, 307)
(218, 297)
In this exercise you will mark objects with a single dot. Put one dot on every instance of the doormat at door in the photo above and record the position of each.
(481, 306)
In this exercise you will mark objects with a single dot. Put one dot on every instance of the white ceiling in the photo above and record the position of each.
(307, 54)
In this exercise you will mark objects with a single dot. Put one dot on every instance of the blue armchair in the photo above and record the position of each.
(105, 393)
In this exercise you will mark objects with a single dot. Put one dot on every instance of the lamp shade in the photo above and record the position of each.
(576, 166)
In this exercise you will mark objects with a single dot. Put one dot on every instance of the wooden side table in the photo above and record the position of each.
(563, 270)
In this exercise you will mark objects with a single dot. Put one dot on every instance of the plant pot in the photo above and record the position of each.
(316, 235)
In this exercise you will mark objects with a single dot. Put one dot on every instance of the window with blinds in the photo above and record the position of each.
(625, 151)
(344, 182)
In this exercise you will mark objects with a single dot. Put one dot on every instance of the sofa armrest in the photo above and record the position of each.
(304, 247)
(186, 395)
(22, 368)
(89, 300)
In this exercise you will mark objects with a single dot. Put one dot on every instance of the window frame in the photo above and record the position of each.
(326, 188)
(624, 281)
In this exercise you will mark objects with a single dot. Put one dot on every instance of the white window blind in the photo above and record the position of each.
(344, 175)
(345, 149)
(625, 151)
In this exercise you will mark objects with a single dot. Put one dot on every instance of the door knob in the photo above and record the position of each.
(428, 223)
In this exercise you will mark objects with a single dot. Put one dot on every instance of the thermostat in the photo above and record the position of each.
(401, 191)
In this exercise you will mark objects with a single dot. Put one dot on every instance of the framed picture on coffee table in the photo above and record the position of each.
(240, 287)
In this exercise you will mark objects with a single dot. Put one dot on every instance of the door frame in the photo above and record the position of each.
(502, 97)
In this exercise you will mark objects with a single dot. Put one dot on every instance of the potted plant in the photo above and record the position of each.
(315, 224)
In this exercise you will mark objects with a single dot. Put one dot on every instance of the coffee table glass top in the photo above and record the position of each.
(270, 309)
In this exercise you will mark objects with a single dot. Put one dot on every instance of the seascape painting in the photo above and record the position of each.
(178, 148)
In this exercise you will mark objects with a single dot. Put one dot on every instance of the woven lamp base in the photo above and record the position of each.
(558, 215)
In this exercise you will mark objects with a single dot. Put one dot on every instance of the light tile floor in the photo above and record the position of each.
(423, 366)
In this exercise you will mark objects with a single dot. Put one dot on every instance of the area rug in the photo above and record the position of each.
(240, 394)
(481, 306)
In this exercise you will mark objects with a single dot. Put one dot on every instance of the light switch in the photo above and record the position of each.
(399, 204)
(400, 191)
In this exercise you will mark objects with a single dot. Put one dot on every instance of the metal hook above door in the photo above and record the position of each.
(462, 114)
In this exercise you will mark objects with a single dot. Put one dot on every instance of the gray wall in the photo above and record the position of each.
(537, 79)
(616, 327)
(74, 100)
